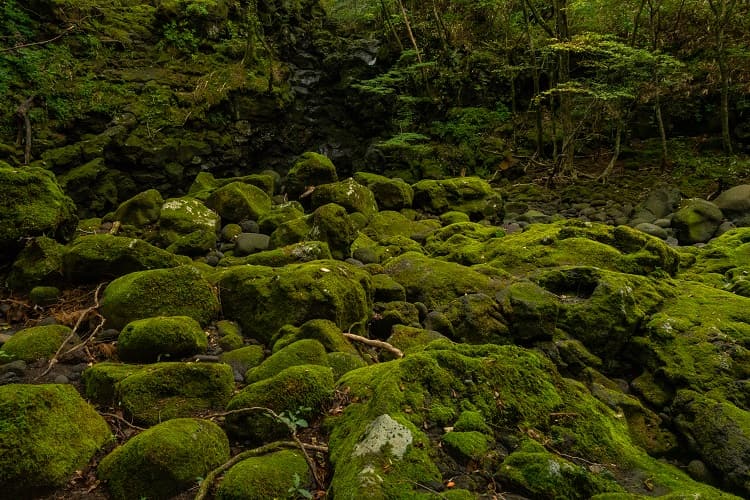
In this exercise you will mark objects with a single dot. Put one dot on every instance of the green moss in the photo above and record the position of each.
(163, 391)
(165, 459)
(184, 219)
(344, 362)
(47, 433)
(350, 194)
(471, 421)
(303, 390)
(532, 311)
(304, 251)
(477, 318)
(32, 204)
(386, 289)
(92, 186)
(453, 217)
(331, 224)
(722, 254)
(387, 224)
(94, 257)
(230, 336)
(44, 295)
(312, 169)
(467, 445)
(301, 352)
(140, 210)
(471, 195)
(267, 476)
(434, 282)
(238, 201)
(244, 358)
(40, 262)
(290, 232)
(205, 184)
(280, 214)
(180, 291)
(263, 299)
(150, 339)
(100, 381)
(390, 194)
(324, 331)
(37, 342)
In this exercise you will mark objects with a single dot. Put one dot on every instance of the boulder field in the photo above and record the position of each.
(446, 339)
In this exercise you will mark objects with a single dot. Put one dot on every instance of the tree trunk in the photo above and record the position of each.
(24, 124)
(604, 176)
(722, 11)
(387, 18)
(566, 109)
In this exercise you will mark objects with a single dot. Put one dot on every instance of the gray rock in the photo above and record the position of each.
(249, 243)
(724, 227)
(734, 201)
(664, 222)
(249, 226)
(384, 431)
(653, 230)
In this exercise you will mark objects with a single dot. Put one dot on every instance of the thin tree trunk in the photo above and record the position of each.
(566, 118)
(662, 132)
(24, 123)
(535, 79)
(387, 17)
(604, 176)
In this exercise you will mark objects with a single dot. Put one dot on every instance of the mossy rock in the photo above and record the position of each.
(386, 289)
(230, 335)
(302, 390)
(163, 391)
(304, 251)
(238, 201)
(44, 296)
(140, 210)
(311, 169)
(350, 194)
(291, 231)
(100, 256)
(720, 433)
(280, 214)
(531, 310)
(266, 476)
(37, 342)
(477, 318)
(390, 194)
(534, 469)
(322, 330)
(410, 339)
(100, 381)
(470, 420)
(187, 225)
(205, 184)
(48, 432)
(164, 460)
(164, 337)
(343, 362)
(471, 195)
(723, 254)
(263, 299)
(331, 224)
(527, 397)
(574, 242)
(434, 282)
(389, 314)
(462, 242)
(39, 263)
(467, 445)
(301, 352)
(92, 186)
(696, 221)
(32, 204)
(602, 309)
(181, 291)
(387, 224)
(242, 359)
(697, 340)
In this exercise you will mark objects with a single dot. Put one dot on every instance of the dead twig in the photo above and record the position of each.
(54, 360)
(120, 419)
(67, 30)
(374, 343)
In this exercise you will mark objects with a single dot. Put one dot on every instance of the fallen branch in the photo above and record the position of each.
(43, 42)
(374, 343)
(119, 418)
(54, 360)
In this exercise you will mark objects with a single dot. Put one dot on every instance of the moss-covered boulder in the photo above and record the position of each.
(410, 338)
(302, 352)
(164, 460)
(727, 255)
(434, 282)
(531, 310)
(92, 186)
(602, 309)
(39, 263)
(242, 359)
(275, 475)
(331, 224)
(47, 433)
(301, 390)
(98, 257)
(574, 242)
(531, 417)
(163, 391)
(350, 194)
(230, 335)
(462, 242)
(164, 337)
(696, 221)
(471, 195)
(37, 342)
(205, 184)
(263, 299)
(322, 330)
(140, 210)
(32, 204)
(304, 251)
(187, 226)
(311, 169)
(477, 318)
(280, 214)
(390, 194)
(181, 291)
(387, 224)
(719, 433)
(238, 201)
(100, 381)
